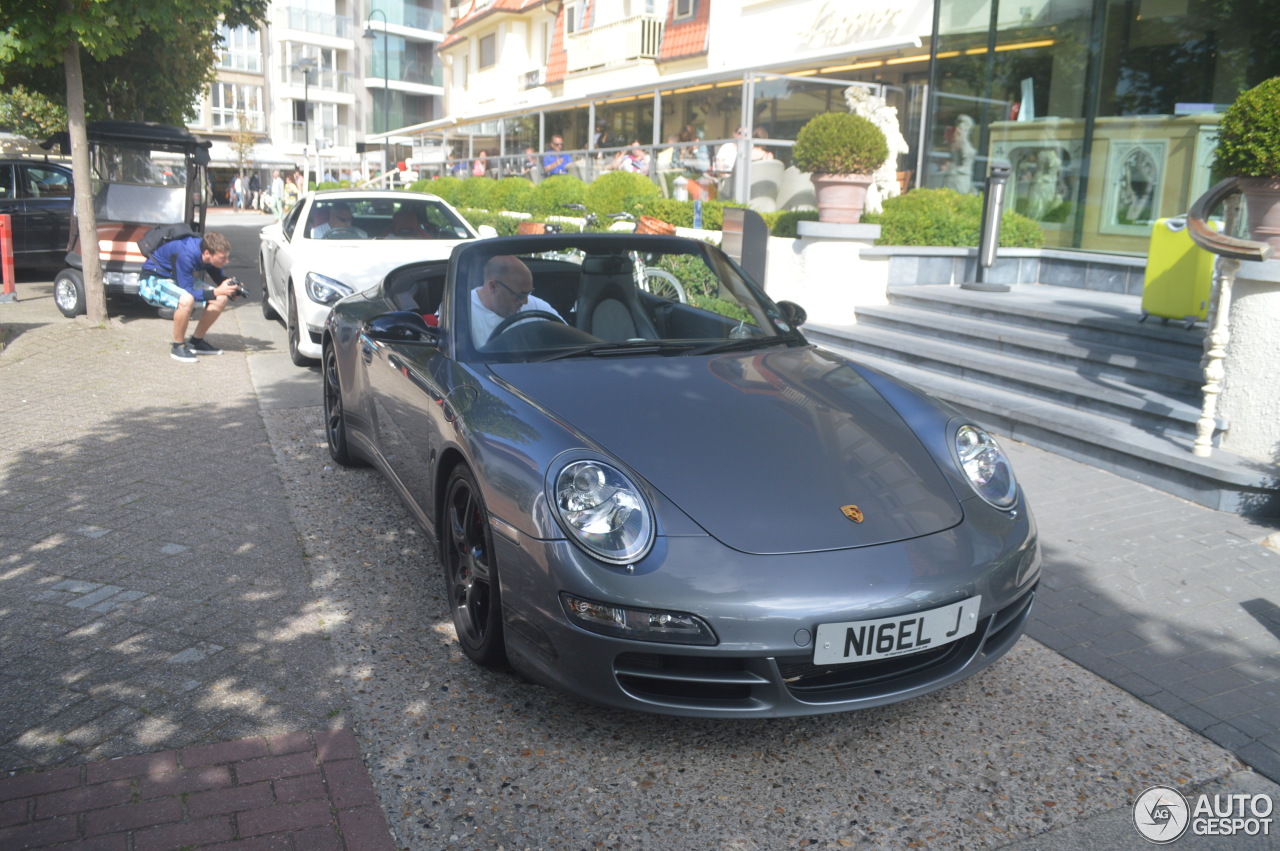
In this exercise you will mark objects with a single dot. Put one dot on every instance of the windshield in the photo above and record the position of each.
(347, 218)
(138, 165)
(608, 297)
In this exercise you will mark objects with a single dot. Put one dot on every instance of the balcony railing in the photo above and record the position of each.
(294, 132)
(420, 73)
(638, 37)
(1230, 251)
(320, 23)
(407, 15)
(321, 81)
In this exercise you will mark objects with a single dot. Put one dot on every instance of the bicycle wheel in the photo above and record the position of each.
(662, 283)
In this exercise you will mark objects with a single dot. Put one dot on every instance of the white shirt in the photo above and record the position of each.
(726, 157)
(484, 320)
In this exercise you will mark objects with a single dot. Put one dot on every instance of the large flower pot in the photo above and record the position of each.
(1262, 203)
(841, 197)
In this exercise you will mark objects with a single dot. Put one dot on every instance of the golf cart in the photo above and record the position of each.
(144, 175)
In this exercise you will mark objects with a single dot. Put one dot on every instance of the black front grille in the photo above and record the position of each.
(694, 680)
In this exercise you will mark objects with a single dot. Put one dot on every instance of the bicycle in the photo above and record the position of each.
(651, 279)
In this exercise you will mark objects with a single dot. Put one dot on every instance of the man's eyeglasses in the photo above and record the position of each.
(520, 296)
(557, 144)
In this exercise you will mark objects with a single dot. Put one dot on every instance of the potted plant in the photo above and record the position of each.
(841, 151)
(1249, 149)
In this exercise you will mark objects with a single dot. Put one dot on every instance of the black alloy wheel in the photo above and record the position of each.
(335, 423)
(470, 572)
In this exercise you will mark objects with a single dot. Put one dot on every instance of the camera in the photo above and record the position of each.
(241, 290)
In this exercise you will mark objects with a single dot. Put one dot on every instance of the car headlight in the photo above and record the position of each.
(637, 624)
(603, 512)
(325, 290)
(986, 466)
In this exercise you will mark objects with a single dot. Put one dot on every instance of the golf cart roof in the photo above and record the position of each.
(137, 134)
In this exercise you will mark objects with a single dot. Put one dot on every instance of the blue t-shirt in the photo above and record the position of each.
(182, 261)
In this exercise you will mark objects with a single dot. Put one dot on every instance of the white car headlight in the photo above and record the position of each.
(986, 466)
(603, 512)
(325, 290)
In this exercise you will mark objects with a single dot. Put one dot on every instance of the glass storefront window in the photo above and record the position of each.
(1107, 124)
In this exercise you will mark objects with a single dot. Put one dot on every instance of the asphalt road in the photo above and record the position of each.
(1036, 752)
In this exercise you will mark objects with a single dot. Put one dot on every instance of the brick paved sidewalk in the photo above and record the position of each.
(309, 792)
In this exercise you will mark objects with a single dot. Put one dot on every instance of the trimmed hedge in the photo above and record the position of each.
(550, 196)
(945, 218)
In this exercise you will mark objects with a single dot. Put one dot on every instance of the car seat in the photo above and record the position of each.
(608, 305)
(404, 225)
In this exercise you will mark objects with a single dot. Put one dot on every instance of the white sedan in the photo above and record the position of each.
(342, 241)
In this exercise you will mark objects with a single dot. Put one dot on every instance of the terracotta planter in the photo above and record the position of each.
(841, 197)
(1262, 202)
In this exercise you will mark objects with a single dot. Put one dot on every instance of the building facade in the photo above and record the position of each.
(316, 81)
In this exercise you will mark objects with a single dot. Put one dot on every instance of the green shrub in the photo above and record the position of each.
(478, 193)
(941, 217)
(550, 196)
(618, 192)
(445, 187)
(504, 225)
(839, 143)
(680, 213)
(786, 222)
(1249, 134)
(514, 194)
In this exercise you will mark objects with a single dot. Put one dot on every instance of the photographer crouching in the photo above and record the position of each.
(174, 277)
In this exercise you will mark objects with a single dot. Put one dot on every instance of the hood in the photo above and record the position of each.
(762, 449)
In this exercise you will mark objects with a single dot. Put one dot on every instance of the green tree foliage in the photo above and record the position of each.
(1249, 134)
(30, 114)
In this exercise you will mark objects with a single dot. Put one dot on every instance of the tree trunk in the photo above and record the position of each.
(94, 292)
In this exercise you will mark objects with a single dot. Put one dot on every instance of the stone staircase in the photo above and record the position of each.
(1069, 370)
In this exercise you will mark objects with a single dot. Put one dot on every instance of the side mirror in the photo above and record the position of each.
(487, 231)
(793, 313)
(403, 326)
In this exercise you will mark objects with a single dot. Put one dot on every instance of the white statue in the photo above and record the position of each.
(958, 172)
(885, 185)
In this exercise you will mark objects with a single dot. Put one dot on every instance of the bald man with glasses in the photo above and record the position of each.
(507, 290)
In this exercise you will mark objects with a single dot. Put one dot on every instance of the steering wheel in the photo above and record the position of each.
(343, 233)
(521, 316)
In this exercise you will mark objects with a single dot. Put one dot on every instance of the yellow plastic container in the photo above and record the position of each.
(1179, 276)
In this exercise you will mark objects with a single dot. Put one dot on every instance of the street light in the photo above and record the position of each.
(386, 91)
(306, 65)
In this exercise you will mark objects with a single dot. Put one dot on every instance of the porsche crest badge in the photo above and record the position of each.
(853, 512)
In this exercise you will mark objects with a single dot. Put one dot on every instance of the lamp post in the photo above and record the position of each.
(306, 65)
(386, 91)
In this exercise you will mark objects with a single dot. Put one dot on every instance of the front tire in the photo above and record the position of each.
(471, 572)
(335, 422)
(298, 358)
(68, 293)
(268, 312)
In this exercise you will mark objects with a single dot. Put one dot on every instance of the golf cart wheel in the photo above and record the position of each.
(68, 292)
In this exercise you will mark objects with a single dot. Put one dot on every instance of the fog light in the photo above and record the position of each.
(637, 624)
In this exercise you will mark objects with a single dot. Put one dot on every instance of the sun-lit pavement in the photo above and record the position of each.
(182, 566)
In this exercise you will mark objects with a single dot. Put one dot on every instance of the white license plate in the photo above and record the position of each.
(863, 641)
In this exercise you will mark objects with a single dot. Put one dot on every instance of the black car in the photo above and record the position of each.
(37, 195)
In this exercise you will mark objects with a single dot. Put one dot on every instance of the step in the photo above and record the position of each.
(1223, 481)
(1085, 316)
(1158, 372)
(1145, 408)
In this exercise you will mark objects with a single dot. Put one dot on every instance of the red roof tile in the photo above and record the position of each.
(688, 36)
(480, 10)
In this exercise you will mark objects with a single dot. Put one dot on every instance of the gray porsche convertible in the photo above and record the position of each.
(651, 492)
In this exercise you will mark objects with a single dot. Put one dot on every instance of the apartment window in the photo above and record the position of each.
(240, 49)
(227, 101)
(571, 18)
(488, 50)
(684, 9)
